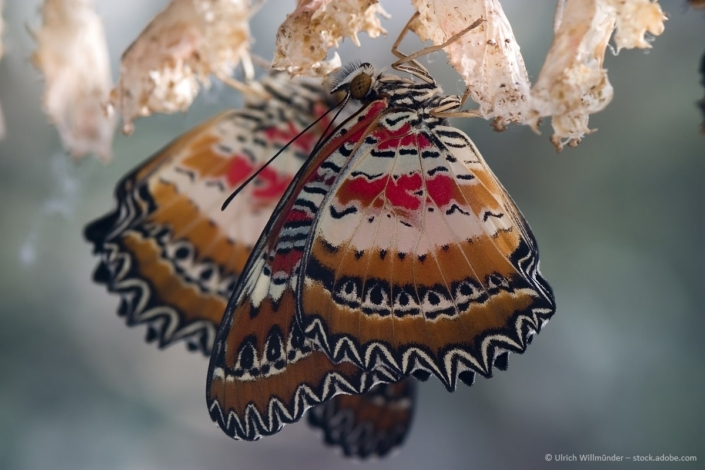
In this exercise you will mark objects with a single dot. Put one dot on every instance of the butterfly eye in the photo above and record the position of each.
(356, 79)
(360, 86)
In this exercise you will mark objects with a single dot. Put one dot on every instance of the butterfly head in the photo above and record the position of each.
(356, 80)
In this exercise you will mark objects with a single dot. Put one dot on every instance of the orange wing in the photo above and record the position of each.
(419, 261)
(167, 249)
(174, 257)
(263, 372)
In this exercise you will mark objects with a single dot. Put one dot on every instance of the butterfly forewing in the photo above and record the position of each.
(259, 343)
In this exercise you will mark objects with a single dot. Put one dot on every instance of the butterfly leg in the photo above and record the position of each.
(452, 108)
(417, 69)
(443, 113)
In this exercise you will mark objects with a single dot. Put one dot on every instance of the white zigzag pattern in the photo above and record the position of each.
(253, 425)
(453, 360)
(166, 316)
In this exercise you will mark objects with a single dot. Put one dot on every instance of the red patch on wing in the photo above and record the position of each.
(398, 193)
(270, 185)
(304, 142)
(423, 142)
(441, 189)
(390, 140)
(239, 169)
(266, 188)
(402, 192)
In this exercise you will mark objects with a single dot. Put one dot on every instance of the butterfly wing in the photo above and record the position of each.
(149, 246)
(418, 260)
(367, 425)
(263, 372)
(167, 249)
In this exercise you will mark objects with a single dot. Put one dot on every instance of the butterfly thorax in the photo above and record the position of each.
(405, 93)
(425, 96)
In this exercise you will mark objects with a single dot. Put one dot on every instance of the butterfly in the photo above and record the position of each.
(395, 252)
(174, 257)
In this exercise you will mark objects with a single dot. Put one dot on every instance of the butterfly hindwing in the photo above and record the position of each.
(417, 260)
(367, 425)
(420, 261)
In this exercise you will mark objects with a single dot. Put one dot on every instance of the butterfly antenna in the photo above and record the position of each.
(259, 170)
(344, 101)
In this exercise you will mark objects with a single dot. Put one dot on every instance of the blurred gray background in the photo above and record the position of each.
(620, 221)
